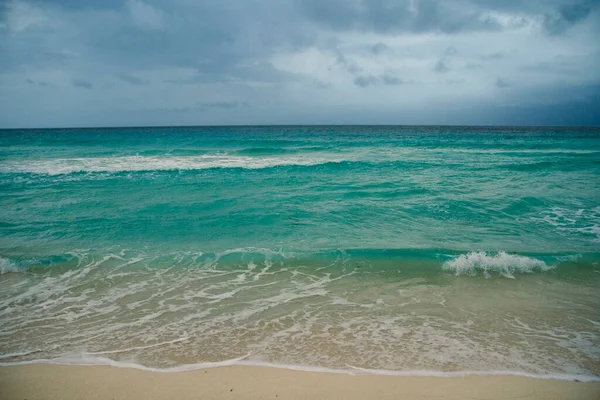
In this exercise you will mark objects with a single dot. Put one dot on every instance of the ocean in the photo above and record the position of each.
(400, 250)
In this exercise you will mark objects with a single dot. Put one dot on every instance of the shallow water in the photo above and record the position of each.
(385, 248)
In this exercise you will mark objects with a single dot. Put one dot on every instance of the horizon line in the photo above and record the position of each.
(299, 125)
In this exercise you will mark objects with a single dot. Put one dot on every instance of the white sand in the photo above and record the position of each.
(43, 381)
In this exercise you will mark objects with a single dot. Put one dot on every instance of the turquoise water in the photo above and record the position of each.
(386, 248)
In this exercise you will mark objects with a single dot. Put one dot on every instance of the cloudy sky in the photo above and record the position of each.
(196, 62)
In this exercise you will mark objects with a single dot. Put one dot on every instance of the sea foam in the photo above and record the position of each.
(87, 360)
(156, 163)
(7, 266)
(501, 263)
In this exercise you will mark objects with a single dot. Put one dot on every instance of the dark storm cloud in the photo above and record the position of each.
(389, 16)
(81, 4)
(226, 36)
(567, 15)
(185, 56)
(395, 16)
(3, 10)
(222, 41)
(580, 109)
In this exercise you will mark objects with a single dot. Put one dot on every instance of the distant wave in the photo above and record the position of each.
(501, 263)
(563, 165)
(265, 151)
(269, 156)
(64, 166)
(269, 151)
(521, 151)
(155, 163)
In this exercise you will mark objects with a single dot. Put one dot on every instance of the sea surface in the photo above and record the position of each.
(404, 250)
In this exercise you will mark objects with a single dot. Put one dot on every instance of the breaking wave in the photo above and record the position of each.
(7, 266)
(156, 163)
(502, 263)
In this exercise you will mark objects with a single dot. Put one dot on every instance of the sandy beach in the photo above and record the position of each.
(43, 381)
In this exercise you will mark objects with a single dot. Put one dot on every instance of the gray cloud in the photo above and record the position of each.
(371, 80)
(321, 84)
(3, 10)
(225, 104)
(200, 107)
(566, 16)
(395, 16)
(379, 48)
(81, 83)
(392, 80)
(473, 66)
(298, 56)
(134, 80)
(559, 67)
(450, 51)
(502, 83)
(81, 4)
(37, 83)
(263, 72)
(347, 63)
(366, 80)
(493, 56)
(441, 66)
(454, 81)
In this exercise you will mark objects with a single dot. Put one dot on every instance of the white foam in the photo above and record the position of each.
(156, 163)
(525, 151)
(19, 354)
(87, 360)
(7, 266)
(589, 230)
(183, 339)
(502, 263)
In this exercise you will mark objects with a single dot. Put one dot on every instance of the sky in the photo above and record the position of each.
(72, 63)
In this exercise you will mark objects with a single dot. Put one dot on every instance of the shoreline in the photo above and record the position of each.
(50, 381)
(93, 360)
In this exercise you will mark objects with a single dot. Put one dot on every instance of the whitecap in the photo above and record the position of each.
(156, 163)
(7, 266)
(501, 263)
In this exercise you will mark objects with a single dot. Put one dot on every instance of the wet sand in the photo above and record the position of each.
(45, 381)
